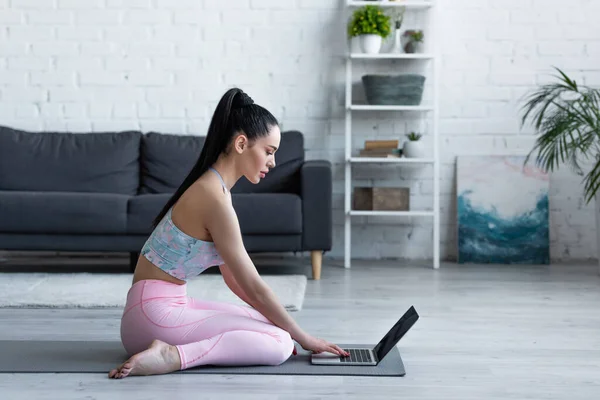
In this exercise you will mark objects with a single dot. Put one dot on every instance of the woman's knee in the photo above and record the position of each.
(136, 333)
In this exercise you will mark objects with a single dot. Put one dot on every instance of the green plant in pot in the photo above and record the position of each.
(413, 147)
(414, 40)
(371, 25)
(566, 118)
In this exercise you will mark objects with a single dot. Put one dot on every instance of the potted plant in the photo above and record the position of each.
(414, 39)
(371, 25)
(566, 118)
(413, 148)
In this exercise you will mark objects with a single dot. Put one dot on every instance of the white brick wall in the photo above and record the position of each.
(162, 65)
(514, 44)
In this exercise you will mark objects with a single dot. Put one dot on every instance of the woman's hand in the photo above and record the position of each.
(317, 346)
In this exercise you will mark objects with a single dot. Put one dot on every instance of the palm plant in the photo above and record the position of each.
(567, 118)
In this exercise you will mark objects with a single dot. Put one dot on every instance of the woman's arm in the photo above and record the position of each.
(223, 225)
(233, 285)
(224, 229)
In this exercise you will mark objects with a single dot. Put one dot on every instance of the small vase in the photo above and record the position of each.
(397, 48)
(371, 44)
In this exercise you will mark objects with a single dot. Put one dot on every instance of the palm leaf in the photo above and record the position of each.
(592, 182)
(566, 117)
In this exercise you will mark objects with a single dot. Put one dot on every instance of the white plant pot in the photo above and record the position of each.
(370, 43)
(413, 149)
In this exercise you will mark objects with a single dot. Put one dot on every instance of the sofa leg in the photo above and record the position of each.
(133, 259)
(316, 258)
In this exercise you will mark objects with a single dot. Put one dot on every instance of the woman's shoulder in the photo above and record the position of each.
(197, 207)
(203, 195)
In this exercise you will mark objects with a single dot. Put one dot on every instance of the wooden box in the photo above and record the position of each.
(381, 199)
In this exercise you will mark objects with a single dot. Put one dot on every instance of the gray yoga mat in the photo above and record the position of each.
(102, 356)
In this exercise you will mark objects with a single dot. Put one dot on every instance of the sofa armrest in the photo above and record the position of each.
(316, 191)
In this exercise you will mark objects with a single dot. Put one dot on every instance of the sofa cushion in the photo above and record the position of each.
(142, 209)
(268, 213)
(63, 212)
(285, 177)
(166, 160)
(105, 162)
(258, 213)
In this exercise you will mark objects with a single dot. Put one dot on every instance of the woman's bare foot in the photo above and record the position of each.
(159, 358)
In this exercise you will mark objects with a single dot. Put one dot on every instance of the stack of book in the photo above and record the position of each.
(381, 148)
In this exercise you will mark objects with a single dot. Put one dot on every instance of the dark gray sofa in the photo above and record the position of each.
(100, 191)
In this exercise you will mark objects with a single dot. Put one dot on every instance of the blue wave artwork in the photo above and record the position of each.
(486, 237)
(503, 212)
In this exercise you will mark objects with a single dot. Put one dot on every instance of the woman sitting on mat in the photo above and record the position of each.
(164, 330)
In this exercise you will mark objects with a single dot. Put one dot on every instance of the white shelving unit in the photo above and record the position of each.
(428, 110)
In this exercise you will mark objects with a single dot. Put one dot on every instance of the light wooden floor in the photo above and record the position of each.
(486, 332)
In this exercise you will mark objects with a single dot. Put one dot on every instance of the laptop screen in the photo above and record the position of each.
(396, 333)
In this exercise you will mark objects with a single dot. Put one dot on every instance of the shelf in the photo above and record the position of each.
(358, 109)
(398, 56)
(391, 213)
(391, 160)
(364, 107)
(405, 3)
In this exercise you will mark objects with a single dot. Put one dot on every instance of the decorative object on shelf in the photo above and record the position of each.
(381, 148)
(403, 89)
(413, 147)
(397, 18)
(414, 41)
(381, 143)
(381, 199)
(503, 214)
(371, 25)
(565, 117)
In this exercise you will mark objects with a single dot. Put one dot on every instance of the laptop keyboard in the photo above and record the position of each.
(357, 355)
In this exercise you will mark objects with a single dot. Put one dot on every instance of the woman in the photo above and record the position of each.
(163, 328)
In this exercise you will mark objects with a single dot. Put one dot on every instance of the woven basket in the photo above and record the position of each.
(397, 90)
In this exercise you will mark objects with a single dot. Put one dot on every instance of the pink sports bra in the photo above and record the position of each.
(178, 254)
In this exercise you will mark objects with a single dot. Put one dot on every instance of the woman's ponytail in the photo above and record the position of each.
(235, 112)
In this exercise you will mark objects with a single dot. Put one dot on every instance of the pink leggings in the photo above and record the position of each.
(204, 332)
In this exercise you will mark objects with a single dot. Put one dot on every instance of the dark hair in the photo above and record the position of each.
(236, 112)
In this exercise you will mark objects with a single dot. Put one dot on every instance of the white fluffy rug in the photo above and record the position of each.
(95, 290)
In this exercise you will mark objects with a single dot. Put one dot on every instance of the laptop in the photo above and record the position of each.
(366, 356)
